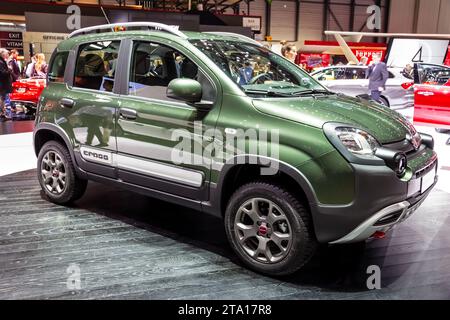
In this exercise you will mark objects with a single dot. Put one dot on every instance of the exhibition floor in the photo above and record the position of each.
(131, 246)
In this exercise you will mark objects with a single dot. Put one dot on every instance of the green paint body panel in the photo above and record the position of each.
(303, 147)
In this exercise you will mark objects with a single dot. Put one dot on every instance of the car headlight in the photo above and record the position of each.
(356, 145)
(360, 147)
(357, 141)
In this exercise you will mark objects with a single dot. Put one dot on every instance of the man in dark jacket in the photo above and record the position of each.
(5, 80)
(14, 65)
(377, 74)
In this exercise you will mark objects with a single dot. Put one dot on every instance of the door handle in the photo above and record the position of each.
(425, 93)
(66, 103)
(128, 114)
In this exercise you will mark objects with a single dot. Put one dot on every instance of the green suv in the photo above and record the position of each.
(219, 123)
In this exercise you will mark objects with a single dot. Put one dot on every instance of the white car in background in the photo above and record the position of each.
(351, 80)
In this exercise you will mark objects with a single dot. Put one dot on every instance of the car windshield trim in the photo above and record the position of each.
(255, 69)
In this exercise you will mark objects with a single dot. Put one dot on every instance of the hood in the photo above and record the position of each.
(386, 125)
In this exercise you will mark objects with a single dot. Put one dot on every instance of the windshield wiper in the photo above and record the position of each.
(268, 93)
(312, 91)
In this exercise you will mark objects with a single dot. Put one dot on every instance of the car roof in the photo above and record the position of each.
(70, 43)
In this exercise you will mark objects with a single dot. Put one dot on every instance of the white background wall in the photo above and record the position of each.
(433, 16)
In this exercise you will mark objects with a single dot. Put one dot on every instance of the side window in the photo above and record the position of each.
(58, 65)
(153, 66)
(319, 76)
(339, 74)
(434, 75)
(355, 73)
(326, 75)
(96, 65)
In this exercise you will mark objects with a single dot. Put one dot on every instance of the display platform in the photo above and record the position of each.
(125, 245)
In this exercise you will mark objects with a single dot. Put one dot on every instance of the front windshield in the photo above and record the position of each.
(257, 70)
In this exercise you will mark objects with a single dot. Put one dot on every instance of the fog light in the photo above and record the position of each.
(401, 162)
(396, 160)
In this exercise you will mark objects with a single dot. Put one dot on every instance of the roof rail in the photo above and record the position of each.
(148, 25)
(236, 35)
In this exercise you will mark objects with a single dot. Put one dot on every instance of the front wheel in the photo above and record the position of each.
(57, 176)
(269, 229)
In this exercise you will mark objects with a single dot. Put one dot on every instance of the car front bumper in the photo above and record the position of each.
(384, 220)
(382, 200)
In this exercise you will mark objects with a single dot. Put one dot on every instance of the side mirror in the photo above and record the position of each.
(185, 89)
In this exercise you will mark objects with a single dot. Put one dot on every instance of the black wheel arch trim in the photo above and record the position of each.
(63, 135)
(218, 189)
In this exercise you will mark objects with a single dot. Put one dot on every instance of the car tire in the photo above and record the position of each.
(277, 245)
(384, 102)
(56, 174)
(442, 130)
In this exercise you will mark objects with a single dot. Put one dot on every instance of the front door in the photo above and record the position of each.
(160, 140)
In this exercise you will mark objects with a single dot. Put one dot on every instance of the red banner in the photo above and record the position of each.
(360, 53)
(310, 61)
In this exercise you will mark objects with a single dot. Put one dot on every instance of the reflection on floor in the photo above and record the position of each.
(11, 127)
(130, 246)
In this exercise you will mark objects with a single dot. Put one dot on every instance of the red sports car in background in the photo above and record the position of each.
(432, 95)
(25, 95)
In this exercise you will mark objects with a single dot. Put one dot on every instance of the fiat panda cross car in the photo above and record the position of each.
(218, 123)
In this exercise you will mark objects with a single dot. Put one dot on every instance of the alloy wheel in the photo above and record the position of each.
(263, 230)
(53, 171)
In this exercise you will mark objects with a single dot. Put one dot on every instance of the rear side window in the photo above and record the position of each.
(96, 65)
(58, 65)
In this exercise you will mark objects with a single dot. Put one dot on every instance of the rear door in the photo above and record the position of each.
(432, 95)
(89, 105)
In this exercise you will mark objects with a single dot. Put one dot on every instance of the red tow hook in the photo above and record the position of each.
(379, 235)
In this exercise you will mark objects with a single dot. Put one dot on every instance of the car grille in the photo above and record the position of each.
(404, 146)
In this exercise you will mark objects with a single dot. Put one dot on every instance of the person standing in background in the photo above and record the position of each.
(40, 67)
(363, 61)
(5, 80)
(30, 67)
(377, 74)
(289, 51)
(14, 65)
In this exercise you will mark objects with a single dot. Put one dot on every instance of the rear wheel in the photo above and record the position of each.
(57, 176)
(269, 229)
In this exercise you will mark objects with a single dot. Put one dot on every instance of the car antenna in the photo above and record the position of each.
(106, 17)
